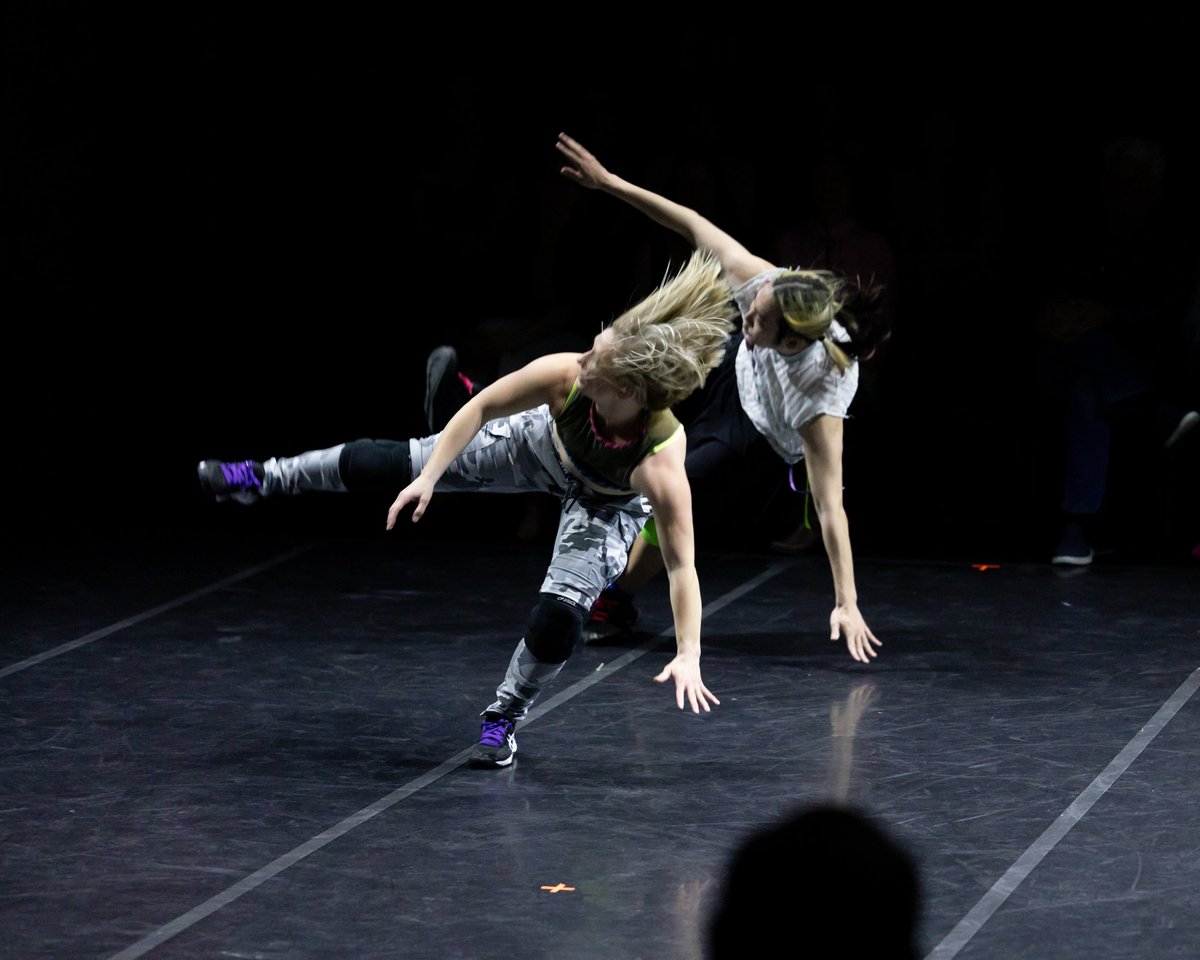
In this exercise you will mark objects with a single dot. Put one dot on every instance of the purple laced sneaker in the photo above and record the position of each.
(497, 744)
(240, 480)
(495, 732)
(241, 475)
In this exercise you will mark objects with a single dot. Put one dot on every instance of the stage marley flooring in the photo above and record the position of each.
(255, 748)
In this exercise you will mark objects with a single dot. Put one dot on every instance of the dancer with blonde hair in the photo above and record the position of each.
(596, 431)
(789, 378)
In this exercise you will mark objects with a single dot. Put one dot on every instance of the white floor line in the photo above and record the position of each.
(148, 614)
(991, 901)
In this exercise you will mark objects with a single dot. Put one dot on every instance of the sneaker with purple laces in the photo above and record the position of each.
(240, 480)
(497, 743)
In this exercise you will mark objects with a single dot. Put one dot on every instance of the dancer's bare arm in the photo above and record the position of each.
(662, 479)
(823, 456)
(545, 380)
(738, 263)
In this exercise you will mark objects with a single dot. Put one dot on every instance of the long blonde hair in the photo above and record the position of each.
(663, 348)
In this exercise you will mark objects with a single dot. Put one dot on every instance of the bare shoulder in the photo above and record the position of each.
(822, 438)
(661, 476)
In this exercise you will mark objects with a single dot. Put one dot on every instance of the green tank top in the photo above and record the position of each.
(601, 464)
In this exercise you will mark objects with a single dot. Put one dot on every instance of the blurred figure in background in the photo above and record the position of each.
(1111, 354)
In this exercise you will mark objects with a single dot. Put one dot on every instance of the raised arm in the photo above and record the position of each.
(545, 380)
(662, 479)
(823, 455)
(738, 263)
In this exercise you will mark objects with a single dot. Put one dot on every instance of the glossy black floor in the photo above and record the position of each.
(228, 747)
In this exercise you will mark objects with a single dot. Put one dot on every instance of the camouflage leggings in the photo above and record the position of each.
(516, 455)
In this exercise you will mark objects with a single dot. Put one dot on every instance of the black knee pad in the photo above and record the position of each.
(554, 628)
(375, 466)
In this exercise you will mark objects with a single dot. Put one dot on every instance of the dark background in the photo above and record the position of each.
(240, 237)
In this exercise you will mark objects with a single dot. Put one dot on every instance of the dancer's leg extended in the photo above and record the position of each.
(508, 455)
(360, 466)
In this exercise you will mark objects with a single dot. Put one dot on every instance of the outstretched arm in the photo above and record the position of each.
(662, 479)
(823, 455)
(738, 263)
(545, 380)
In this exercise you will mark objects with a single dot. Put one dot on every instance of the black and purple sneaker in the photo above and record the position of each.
(241, 480)
(497, 743)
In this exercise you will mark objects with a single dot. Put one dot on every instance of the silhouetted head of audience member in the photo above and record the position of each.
(825, 875)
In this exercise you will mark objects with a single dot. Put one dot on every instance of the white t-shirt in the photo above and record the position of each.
(781, 394)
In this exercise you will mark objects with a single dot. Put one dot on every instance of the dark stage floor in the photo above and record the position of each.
(254, 748)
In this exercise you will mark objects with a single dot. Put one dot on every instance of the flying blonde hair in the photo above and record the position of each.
(663, 348)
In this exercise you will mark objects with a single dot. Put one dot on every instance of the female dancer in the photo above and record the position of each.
(596, 431)
(795, 374)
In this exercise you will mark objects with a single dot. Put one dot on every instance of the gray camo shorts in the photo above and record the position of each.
(516, 455)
